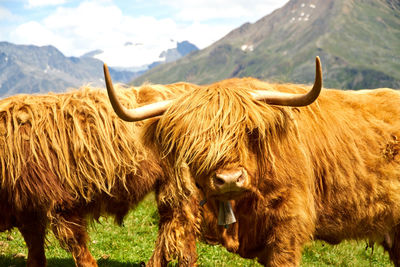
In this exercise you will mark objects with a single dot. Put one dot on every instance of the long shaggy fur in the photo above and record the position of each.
(328, 171)
(73, 137)
(67, 157)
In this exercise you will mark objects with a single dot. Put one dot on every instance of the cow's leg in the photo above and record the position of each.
(34, 234)
(285, 242)
(391, 244)
(281, 253)
(70, 230)
(176, 239)
(276, 255)
(177, 234)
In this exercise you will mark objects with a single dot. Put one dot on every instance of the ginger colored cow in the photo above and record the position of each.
(297, 164)
(66, 159)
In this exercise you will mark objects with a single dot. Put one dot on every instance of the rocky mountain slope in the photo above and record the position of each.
(33, 69)
(358, 42)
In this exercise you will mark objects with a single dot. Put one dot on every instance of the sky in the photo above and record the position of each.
(130, 33)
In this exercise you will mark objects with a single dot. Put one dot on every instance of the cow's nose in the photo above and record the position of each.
(230, 178)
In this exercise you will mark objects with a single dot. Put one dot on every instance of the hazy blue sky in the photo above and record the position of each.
(149, 26)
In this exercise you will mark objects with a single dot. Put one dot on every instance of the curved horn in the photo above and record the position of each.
(294, 100)
(136, 114)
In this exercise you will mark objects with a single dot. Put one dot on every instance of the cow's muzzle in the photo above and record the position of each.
(230, 182)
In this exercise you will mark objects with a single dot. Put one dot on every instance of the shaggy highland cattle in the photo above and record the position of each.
(295, 165)
(66, 159)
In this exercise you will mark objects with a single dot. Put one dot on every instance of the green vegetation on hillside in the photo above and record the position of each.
(358, 43)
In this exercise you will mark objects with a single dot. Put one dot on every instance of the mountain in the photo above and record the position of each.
(34, 69)
(358, 42)
(170, 55)
(124, 76)
(181, 50)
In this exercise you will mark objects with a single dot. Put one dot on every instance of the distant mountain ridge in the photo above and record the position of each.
(170, 55)
(40, 69)
(34, 69)
(358, 42)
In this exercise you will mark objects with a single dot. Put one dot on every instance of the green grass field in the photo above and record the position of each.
(116, 246)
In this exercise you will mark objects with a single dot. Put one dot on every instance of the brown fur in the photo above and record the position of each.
(327, 171)
(66, 158)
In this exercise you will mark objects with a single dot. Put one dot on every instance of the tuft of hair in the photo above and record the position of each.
(212, 124)
(60, 147)
(208, 124)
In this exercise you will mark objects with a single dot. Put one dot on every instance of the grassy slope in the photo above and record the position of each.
(115, 246)
(358, 42)
(363, 44)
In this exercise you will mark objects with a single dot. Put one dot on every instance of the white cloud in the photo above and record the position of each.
(203, 35)
(101, 24)
(91, 26)
(6, 14)
(35, 33)
(39, 3)
(203, 10)
(7, 19)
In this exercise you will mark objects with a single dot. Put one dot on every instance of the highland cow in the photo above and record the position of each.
(66, 158)
(295, 165)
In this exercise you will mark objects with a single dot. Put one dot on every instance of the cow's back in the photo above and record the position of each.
(57, 147)
(352, 138)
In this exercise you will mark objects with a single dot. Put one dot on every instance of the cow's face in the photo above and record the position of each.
(222, 131)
